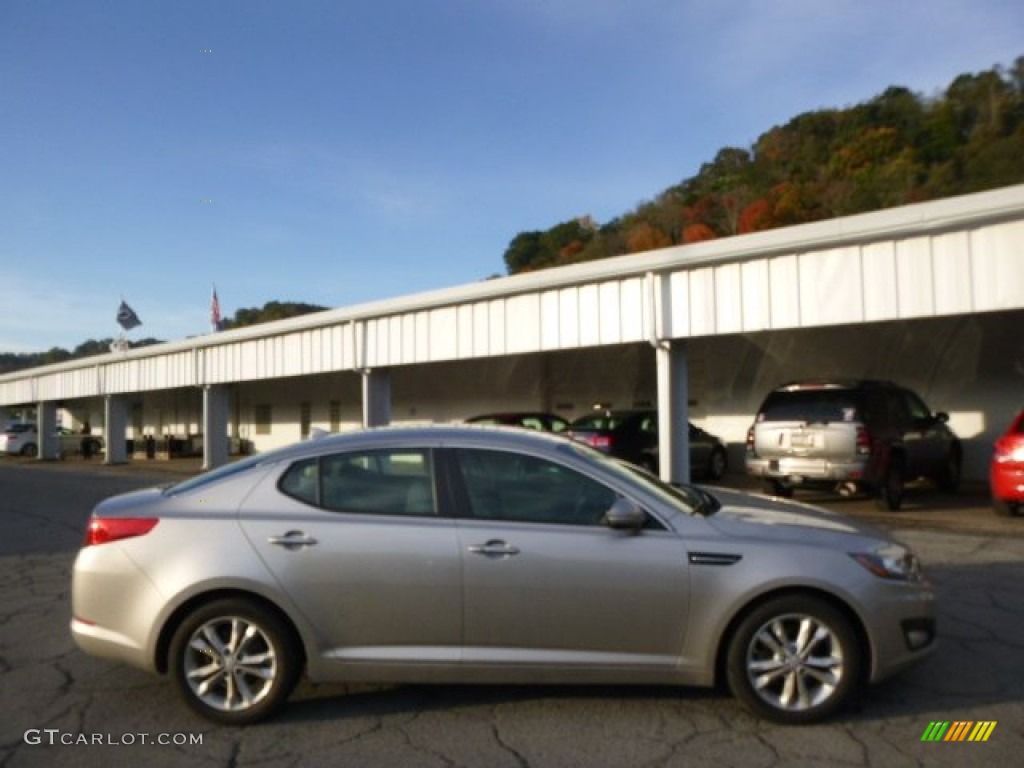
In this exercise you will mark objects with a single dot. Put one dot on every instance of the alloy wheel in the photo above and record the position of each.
(230, 664)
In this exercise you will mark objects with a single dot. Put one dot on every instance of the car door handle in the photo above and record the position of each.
(494, 548)
(292, 540)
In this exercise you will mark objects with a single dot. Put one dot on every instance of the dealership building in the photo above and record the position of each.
(929, 295)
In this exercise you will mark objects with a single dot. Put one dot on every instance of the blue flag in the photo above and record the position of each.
(126, 316)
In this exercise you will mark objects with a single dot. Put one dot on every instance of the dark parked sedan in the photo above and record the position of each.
(473, 555)
(545, 422)
(633, 436)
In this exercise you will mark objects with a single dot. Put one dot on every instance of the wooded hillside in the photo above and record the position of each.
(895, 149)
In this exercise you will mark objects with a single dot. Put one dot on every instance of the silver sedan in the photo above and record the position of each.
(489, 555)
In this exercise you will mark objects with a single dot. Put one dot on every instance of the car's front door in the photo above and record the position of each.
(924, 437)
(547, 583)
(355, 541)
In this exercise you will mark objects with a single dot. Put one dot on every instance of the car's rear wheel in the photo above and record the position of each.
(717, 464)
(794, 660)
(649, 463)
(891, 490)
(949, 478)
(29, 449)
(234, 661)
(1005, 508)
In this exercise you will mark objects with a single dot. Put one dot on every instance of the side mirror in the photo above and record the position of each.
(942, 416)
(625, 515)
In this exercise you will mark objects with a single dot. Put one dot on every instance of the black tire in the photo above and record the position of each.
(718, 462)
(778, 488)
(949, 479)
(891, 489)
(30, 449)
(219, 635)
(794, 660)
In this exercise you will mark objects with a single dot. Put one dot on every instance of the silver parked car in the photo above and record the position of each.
(473, 554)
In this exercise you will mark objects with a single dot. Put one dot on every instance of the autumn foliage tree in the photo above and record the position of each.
(894, 149)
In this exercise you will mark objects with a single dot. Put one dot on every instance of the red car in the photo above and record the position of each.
(1006, 474)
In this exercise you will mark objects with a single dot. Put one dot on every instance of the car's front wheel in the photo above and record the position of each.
(794, 660)
(234, 661)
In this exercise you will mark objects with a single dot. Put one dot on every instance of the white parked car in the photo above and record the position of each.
(22, 439)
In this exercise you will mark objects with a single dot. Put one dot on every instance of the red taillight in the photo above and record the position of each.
(863, 441)
(1009, 450)
(103, 530)
(750, 441)
(601, 442)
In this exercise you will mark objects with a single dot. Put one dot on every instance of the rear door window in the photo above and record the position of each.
(384, 482)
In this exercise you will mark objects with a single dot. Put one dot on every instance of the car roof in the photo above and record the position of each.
(838, 383)
(434, 435)
(514, 415)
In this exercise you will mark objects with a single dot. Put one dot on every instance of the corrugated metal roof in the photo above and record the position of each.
(954, 256)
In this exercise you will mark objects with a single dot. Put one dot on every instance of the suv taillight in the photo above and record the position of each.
(102, 530)
(863, 441)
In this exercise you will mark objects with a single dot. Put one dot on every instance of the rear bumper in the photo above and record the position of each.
(1007, 483)
(794, 470)
(114, 606)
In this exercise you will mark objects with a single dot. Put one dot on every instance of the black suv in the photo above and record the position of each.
(870, 436)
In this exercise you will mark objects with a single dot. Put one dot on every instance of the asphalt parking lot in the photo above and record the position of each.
(60, 707)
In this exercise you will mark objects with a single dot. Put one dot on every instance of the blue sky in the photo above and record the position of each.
(339, 152)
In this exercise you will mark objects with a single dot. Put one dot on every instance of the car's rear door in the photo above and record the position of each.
(546, 583)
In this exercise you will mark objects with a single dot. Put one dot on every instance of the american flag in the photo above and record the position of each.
(215, 321)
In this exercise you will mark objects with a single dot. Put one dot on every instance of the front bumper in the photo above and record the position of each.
(901, 626)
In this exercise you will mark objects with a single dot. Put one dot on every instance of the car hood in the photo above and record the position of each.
(746, 515)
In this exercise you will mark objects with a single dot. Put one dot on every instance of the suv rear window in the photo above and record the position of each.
(810, 406)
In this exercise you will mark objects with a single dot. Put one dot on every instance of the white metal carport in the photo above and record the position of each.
(955, 257)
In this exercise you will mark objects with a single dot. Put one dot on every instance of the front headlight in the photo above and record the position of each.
(893, 561)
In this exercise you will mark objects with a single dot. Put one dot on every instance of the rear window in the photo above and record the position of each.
(602, 420)
(810, 405)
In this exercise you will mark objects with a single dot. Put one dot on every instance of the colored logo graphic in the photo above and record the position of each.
(959, 730)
